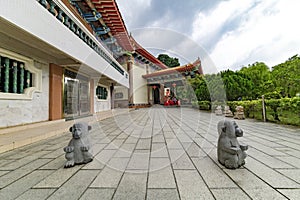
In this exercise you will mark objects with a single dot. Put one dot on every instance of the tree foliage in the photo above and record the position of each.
(250, 82)
(168, 61)
(286, 77)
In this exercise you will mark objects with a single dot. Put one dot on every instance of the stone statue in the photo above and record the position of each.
(231, 154)
(239, 114)
(218, 110)
(227, 112)
(78, 149)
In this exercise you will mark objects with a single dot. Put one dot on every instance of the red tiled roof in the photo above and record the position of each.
(180, 69)
(113, 19)
(140, 50)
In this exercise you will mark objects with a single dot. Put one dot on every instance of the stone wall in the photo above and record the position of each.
(18, 111)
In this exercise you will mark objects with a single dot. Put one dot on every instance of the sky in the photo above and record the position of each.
(224, 34)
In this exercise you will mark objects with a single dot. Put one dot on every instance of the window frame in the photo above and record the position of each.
(99, 85)
(28, 65)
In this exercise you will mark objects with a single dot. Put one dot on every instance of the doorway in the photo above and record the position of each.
(76, 97)
(156, 95)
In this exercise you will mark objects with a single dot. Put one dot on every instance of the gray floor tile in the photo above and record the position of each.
(292, 194)
(269, 175)
(98, 193)
(22, 185)
(229, 193)
(217, 179)
(161, 178)
(180, 159)
(58, 178)
(75, 186)
(36, 194)
(293, 174)
(252, 185)
(20, 172)
(132, 186)
(162, 194)
(108, 178)
(191, 185)
(139, 160)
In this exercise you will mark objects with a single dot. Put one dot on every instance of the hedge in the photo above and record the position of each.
(285, 110)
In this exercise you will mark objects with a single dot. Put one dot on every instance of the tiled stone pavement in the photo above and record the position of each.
(157, 153)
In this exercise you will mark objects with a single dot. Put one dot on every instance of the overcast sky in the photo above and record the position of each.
(223, 33)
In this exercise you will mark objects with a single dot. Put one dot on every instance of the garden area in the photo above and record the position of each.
(279, 85)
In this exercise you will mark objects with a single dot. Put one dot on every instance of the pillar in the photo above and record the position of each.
(92, 96)
(14, 77)
(6, 75)
(148, 87)
(130, 72)
(55, 92)
(162, 93)
(21, 90)
(112, 96)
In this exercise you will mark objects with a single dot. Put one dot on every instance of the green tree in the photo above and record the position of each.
(286, 77)
(169, 61)
(237, 85)
(258, 73)
(199, 86)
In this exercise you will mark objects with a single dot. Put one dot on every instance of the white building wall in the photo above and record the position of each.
(18, 111)
(20, 13)
(121, 97)
(140, 92)
(99, 104)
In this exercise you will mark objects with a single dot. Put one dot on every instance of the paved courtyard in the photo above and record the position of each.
(157, 153)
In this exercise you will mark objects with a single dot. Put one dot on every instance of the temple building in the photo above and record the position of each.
(66, 59)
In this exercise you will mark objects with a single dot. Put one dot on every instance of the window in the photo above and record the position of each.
(101, 92)
(19, 78)
(119, 95)
(14, 78)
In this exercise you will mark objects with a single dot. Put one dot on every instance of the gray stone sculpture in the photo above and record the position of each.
(231, 153)
(239, 114)
(218, 110)
(78, 149)
(227, 112)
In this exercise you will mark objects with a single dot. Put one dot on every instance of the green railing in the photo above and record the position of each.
(63, 17)
(14, 78)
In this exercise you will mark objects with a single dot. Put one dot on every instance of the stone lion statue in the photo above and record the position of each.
(78, 149)
(231, 153)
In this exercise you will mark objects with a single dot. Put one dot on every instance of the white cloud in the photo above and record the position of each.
(130, 10)
(268, 33)
(208, 23)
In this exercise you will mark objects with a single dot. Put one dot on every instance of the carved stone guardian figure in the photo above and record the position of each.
(78, 149)
(227, 112)
(218, 110)
(239, 114)
(231, 153)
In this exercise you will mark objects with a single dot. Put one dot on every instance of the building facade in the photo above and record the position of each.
(63, 59)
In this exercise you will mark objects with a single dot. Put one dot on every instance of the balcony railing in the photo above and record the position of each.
(61, 13)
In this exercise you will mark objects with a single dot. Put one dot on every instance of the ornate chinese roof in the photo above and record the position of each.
(113, 19)
(192, 67)
(105, 19)
(143, 52)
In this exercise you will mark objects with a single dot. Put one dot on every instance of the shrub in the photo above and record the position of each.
(285, 110)
(204, 105)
